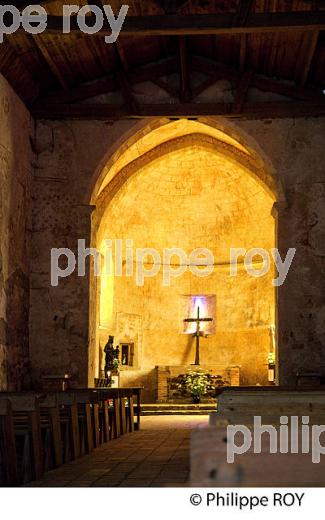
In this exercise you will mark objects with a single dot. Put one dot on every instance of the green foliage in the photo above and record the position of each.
(196, 382)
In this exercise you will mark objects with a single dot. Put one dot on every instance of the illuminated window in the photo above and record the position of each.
(127, 354)
(199, 306)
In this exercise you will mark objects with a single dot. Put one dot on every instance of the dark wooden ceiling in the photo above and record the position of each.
(272, 45)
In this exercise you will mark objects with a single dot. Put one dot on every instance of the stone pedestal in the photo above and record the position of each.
(166, 374)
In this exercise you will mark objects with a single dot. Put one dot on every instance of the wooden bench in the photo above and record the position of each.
(120, 410)
(69, 424)
(209, 466)
(42, 430)
(8, 458)
(240, 405)
(50, 424)
(27, 429)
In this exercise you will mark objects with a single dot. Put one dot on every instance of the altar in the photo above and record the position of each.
(167, 378)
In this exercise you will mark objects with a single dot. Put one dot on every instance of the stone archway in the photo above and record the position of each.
(144, 148)
(157, 131)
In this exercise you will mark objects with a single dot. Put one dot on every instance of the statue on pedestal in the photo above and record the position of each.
(111, 356)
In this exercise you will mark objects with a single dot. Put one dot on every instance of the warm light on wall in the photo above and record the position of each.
(106, 299)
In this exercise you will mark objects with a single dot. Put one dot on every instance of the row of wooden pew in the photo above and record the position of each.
(291, 464)
(41, 431)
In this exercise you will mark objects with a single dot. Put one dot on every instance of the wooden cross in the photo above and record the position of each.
(198, 333)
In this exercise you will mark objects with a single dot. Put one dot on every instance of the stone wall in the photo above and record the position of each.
(296, 148)
(16, 129)
(69, 155)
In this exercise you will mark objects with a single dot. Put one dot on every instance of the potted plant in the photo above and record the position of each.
(197, 384)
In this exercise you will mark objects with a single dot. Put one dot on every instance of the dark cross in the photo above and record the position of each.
(198, 333)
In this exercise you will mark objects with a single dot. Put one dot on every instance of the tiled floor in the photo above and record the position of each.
(155, 456)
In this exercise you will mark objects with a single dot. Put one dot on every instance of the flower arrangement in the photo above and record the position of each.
(197, 383)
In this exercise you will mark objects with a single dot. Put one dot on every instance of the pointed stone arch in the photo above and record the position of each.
(228, 133)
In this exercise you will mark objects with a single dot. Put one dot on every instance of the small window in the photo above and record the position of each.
(200, 307)
(127, 354)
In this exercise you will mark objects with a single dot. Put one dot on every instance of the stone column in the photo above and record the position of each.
(59, 324)
(300, 309)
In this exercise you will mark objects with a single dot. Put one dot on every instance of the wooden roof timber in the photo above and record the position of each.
(176, 110)
(153, 72)
(207, 66)
(243, 11)
(311, 101)
(308, 49)
(150, 72)
(70, 61)
(223, 23)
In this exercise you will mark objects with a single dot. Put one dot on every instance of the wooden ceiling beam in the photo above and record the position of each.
(123, 79)
(11, 61)
(127, 93)
(207, 83)
(122, 56)
(154, 72)
(173, 92)
(221, 23)
(87, 91)
(309, 44)
(172, 110)
(148, 73)
(46, 55)
(185, 89)
(263, 83)
(243, 11)
(242, 51)
(241, 92)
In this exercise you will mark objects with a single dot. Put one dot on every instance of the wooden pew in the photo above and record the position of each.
(41, 431)
(105, 420)
(69, 424)
(111, 397)
(8, 458)
(239, 405)
(209, 466)
(50, 416)
(26, 419)
(88, 413)
(119, 407)
(126, 408)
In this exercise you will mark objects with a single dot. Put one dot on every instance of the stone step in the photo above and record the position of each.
(177, 409)
(154, 413)
(178, 406)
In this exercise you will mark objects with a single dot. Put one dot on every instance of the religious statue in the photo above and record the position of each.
(111, 355)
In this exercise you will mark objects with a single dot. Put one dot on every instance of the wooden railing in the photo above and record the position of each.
(40, 431)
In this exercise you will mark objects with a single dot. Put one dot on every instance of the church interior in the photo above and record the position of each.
(162, 217)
